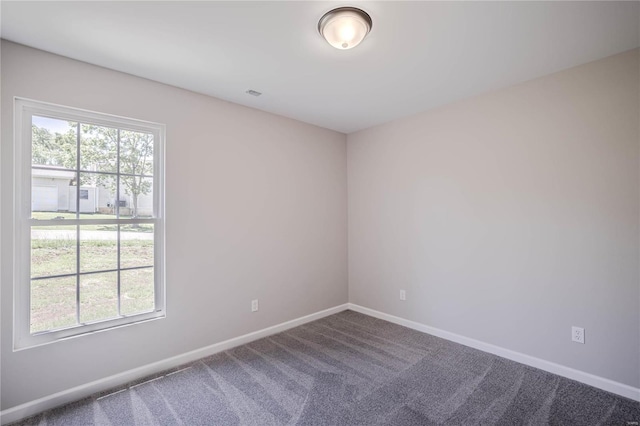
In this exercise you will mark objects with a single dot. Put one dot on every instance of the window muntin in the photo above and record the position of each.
(89, 211)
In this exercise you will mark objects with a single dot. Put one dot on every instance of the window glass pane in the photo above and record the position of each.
(52, 195)
(137, 193)
(98, 248)
(53, 142)
(53, 250)
(136, 153)
(53, 303)
(98, 148)
(97, 196)
(98, 296)
(136, 289)
(136, 245)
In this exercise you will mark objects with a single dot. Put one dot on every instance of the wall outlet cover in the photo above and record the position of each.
(577, 334)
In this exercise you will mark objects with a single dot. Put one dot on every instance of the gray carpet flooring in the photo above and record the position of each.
(350, 369)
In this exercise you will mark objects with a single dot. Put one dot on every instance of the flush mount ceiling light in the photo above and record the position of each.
(345, 27)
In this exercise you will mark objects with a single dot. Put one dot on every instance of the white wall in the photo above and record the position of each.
(510, 217)
(256, 208)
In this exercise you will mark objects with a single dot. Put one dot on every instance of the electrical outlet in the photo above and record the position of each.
(254, 305)
(577, 334)
(403, 295)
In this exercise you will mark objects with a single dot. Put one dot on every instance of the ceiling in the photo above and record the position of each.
(418, 56)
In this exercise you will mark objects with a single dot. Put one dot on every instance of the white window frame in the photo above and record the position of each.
(24, 109)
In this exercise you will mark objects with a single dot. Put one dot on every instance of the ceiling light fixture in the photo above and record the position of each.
(345, 27)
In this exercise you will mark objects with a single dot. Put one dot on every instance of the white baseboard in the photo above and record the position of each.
(561, 370)
(30, 408)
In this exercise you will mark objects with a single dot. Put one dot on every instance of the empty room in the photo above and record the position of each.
(319, 213)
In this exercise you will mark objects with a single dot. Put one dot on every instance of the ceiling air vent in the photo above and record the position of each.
(253, 92)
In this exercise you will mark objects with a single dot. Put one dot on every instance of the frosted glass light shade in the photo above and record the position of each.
(345, 27)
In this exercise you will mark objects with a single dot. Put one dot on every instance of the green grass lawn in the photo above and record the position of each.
(53, 300)
(57, 257)
(59, 215)
(67, 215)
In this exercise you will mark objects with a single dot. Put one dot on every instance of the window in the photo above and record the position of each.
(89, 241)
